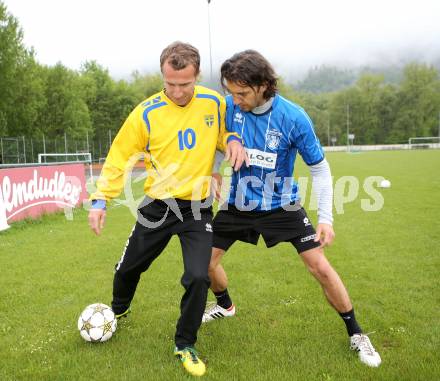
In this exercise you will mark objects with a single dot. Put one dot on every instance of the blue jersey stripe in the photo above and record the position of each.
(209, 96)
(151, 108)
(147, 122)
(216, 100)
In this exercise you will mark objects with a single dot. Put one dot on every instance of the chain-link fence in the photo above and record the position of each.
(22, 150)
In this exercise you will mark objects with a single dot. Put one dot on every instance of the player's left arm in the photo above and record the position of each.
(323, 187)
(310, 149)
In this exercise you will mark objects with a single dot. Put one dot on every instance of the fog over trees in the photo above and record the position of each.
(385, 104)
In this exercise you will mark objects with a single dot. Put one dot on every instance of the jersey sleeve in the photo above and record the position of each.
(225, 135)
(303, 137)
(322, 185)
(229, 114)
(125, 151)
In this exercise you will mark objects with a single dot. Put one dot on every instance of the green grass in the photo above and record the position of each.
(284, 330)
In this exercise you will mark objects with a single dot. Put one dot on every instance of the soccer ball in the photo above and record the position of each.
(97, 323)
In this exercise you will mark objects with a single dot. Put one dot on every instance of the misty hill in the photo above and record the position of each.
(325, 78)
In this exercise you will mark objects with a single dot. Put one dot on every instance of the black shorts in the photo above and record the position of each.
(275, 226)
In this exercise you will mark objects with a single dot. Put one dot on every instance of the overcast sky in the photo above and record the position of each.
(129, 35)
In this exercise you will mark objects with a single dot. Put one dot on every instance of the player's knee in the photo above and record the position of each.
(202, 280)
(211, 269)
(216, 257)
(318, 265)
(322, 271)
(195, 278)
(120, 270)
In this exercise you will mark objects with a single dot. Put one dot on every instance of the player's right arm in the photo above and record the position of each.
(97, 219)
(230, 142)
(131, 140)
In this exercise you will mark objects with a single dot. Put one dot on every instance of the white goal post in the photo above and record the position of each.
(423, 142)
(87, 159)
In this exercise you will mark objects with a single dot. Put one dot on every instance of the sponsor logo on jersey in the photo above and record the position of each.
(209, 120)
(261, 159)
(273, 138)
(238, 117)
(208, 227)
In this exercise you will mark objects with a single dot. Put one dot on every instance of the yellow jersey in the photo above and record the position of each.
(178, 144)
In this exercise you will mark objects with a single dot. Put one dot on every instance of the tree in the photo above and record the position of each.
(365, 118)
(29, 99)
(418, 103)
(21, 95)
(125, 98)
(99, 99)
(66, 109)
(339, 104)
(146, 85)
(77, 121)
(11, 51)
(386, 110)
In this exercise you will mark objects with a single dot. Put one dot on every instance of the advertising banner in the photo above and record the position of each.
(30, 192)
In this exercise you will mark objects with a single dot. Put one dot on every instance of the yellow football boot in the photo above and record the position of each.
(190, 361)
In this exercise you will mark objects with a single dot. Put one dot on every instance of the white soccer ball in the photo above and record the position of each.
(97, 323)
(385, 183)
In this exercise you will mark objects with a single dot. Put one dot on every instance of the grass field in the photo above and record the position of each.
(284, 330)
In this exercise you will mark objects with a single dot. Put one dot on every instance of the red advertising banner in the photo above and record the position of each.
(32, 191)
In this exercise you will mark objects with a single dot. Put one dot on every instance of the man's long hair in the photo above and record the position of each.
(250, 68)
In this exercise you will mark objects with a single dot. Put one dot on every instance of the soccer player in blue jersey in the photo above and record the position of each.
(264, 198)
(177, 130)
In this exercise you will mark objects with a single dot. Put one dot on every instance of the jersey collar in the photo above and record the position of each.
(171, 103)
(267, 107)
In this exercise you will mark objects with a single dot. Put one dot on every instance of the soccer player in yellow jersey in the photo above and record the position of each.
(178, 130)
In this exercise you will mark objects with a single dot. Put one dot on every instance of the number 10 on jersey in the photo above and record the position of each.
(187, 139)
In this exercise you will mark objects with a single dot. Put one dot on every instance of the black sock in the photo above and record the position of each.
(223, 299)
(350, 322)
